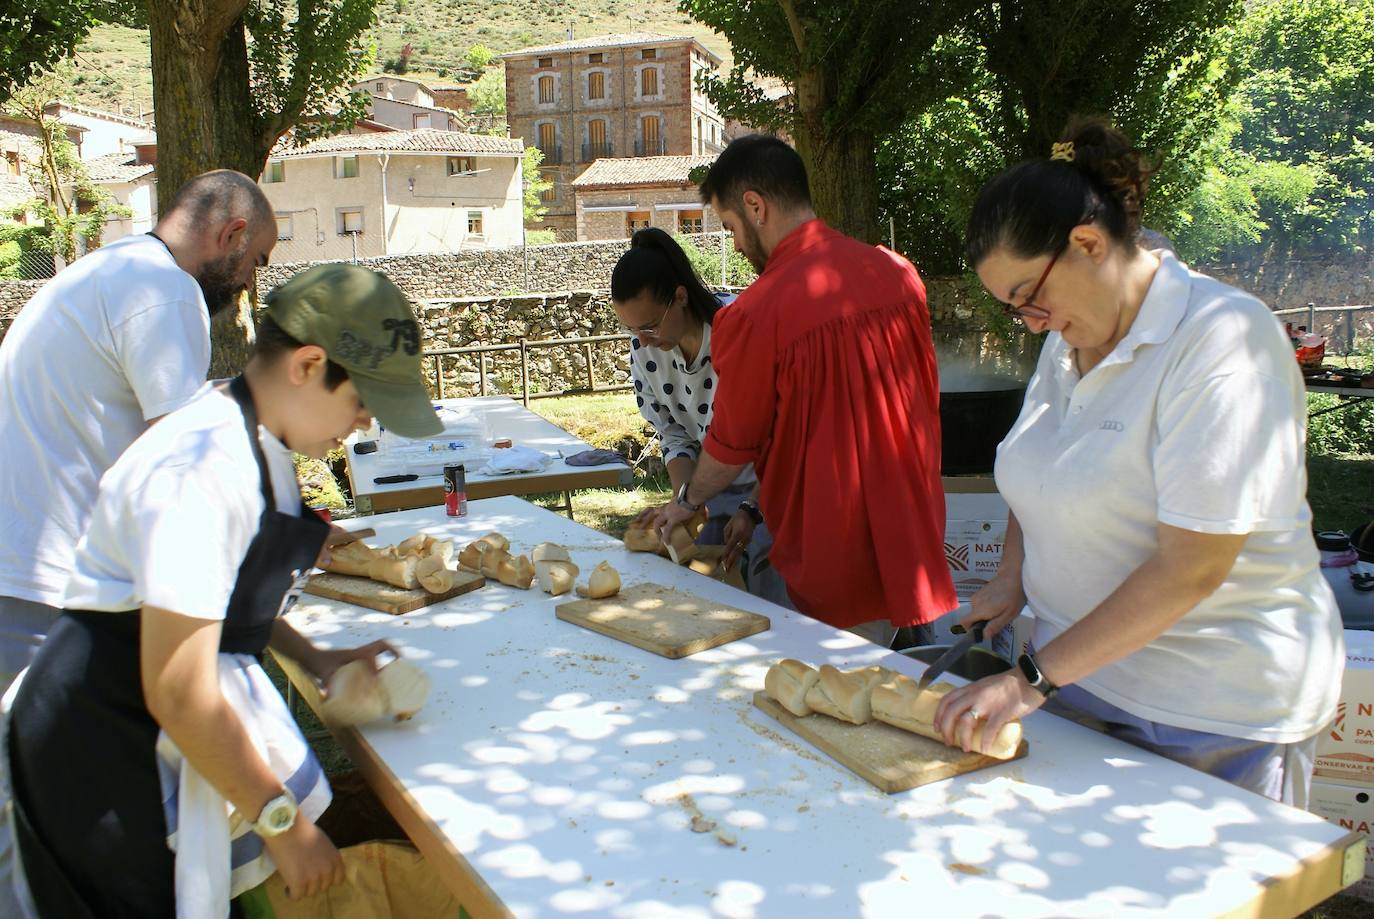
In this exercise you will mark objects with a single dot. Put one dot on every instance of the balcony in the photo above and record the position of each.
(553, 154)
(598, 151)
(651, 147)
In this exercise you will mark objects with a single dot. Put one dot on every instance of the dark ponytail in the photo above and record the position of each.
(1095, 173)
(656, 264)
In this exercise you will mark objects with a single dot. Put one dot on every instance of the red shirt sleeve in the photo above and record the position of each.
(744, 355)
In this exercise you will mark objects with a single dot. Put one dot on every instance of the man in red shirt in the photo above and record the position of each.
(828, 385)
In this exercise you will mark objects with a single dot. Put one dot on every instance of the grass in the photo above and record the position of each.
(113, 67)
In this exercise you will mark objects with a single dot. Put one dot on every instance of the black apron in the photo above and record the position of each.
(88, 804)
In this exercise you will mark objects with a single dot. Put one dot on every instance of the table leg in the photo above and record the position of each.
(567, 505)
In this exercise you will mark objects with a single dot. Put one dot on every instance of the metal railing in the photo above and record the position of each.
(524, 347)
(657, 147)
(553, 154)
(1312, 311)
(592, 152)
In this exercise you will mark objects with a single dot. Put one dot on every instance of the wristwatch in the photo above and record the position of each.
(682, 498)
(278, 815)
(1034, 677)
(752, 509)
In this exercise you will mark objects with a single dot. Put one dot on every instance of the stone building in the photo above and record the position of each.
(615, 197)
(406, 104)
(394, 192)
(613, 96)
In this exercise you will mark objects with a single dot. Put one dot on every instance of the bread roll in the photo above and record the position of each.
(440, 548)
(471, 556)
(433, 575)
(412, 545)
(787, 683)
(515, 571)
(496, 539)
(549, 552)
(603, 582)
(398, 572)
(555, 577)
(491, 561)
(898, 701)
(845, 695)
(643, 539)
(351, 558)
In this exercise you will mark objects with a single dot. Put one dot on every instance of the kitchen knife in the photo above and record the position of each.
(956, 651)
(408, 477)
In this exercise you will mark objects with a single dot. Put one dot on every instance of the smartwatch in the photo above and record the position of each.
(1031, 670)
(682, 498)
(752, 509)
(278, 815)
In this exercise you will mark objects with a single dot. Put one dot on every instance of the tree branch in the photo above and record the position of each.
(789, 9)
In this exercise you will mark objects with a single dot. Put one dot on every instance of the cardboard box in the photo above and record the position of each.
(1350, 807)
(975, 526)
(1345, 749)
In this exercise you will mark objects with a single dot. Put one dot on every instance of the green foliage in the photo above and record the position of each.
(302, 56)
(35, 35)
(706, 262)
(480, 57)
(488, 94)
(18, 240)
(535, 185)
(1008, 83)
(538, 238)
(1301, 134)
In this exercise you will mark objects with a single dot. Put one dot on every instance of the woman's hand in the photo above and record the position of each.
(992, 702)
(306, 859)
(997, 603)
(738, 532)
(323, 663)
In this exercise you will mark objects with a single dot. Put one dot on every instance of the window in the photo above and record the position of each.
(689, 221)
(596, 86)
(596, 140)
(284, 230)
(275, 172)
(596, 58)
(637, 220)
(649, 54)
(12, 162)
(546, 62)
(546, 90)
(549, 194)
(381, 87)
(548, 141)
(350, 221)
(474, 223)
(345, 167)
(648, 81)
(421, 120)
(652, 143)
(701, 137)
(457, 165)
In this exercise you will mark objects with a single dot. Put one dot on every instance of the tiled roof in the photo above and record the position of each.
(116, 167)
(640, 170)
(598, 42)
(424, 140)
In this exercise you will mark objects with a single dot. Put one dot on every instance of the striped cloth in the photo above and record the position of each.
(224, 857)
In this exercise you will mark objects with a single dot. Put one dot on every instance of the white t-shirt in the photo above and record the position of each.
(676, 397)
(1195, 420)
(120, 337)
(176, 513)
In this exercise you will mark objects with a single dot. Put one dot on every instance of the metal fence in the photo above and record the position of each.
(1343, 326)
(524, 347)
(30, 266)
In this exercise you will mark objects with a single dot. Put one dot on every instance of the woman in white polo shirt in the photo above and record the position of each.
(1159, 529)
(663, 303)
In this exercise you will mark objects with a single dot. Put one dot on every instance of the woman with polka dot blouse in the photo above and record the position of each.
(667, 309)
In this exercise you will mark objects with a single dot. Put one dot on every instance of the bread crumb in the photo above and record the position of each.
(804, 808)
(966, 869)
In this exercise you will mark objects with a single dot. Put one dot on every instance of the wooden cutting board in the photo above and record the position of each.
(889, 758)
(662, 620)
(383, 597)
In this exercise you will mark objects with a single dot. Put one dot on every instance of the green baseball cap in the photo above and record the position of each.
(366, 325)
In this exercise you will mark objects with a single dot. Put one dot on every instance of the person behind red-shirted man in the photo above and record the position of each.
(828, 385)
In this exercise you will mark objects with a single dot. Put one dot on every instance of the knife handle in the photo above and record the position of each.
(978, 629)
(393, 479)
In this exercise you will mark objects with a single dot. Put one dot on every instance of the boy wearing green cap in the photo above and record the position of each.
(198, 542)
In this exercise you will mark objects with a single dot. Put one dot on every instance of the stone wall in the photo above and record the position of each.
(13, 296)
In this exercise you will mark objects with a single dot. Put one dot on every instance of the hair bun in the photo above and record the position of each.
(1108, 157)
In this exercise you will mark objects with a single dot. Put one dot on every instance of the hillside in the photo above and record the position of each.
(113, 71)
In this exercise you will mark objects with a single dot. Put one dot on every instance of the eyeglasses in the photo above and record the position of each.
(650, 329)
(1028, 305)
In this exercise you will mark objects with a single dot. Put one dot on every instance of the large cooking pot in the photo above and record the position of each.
(976, 664)
(973, 420)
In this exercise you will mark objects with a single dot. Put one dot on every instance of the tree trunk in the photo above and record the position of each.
(843, 169)
(204, 120)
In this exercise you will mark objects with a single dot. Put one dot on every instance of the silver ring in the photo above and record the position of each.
(974, 714)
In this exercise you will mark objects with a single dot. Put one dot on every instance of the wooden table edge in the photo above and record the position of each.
(428, 496)
(1317, 878)
(457, 873)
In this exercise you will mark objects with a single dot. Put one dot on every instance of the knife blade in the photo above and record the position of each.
(956, 651)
